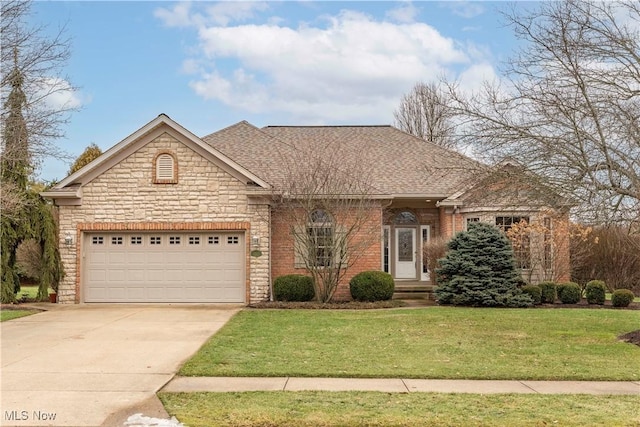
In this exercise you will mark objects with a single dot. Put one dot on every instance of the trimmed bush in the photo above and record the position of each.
(479, 270)
(622, 298)
(534, 292)
(293, 287)
(595, 292)
(569, 293)
(560, 288)
(371, 286)
(547, 292)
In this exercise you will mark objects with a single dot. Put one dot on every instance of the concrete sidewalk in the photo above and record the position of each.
(397, 385)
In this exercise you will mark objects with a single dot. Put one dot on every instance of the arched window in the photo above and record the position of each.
(406, 217)
(165, 168)
(320, 233)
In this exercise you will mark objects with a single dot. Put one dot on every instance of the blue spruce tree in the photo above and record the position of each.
(479, 270)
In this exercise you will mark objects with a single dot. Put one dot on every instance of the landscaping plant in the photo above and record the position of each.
(548, 292)
(595, 292)
(479, 270)
(622, 298)
(371, 286)
(534, 292)
(569, 293)
(293, 287)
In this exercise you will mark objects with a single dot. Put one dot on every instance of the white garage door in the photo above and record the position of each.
(164, 267)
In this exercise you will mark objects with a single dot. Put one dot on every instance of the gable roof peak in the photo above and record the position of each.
(95, 167)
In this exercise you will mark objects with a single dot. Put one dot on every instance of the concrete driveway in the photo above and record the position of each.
(93, 365)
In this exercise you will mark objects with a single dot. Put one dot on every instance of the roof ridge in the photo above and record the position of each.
(326, 126)
(440, 147)
(241, 122)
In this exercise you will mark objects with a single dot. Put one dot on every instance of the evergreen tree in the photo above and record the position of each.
(14, 177)
(479, 270)
(33, 217)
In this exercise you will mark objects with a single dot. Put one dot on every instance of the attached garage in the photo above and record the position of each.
(169, 267)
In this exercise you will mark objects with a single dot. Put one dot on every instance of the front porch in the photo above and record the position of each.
(413, 290)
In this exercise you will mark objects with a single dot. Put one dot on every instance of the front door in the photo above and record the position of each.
(405, 253)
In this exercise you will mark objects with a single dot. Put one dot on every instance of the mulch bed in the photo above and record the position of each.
(632, 337)
(347, 305)
(585, 304)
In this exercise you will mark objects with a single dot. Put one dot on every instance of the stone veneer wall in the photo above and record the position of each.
(206, 197)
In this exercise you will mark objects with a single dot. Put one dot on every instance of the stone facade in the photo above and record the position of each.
(205, 197)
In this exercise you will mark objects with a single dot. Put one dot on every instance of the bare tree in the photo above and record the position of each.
(569, 106)
(325, 202)
(40, 60)
(425, 112)
(29, 122)
(610, 254)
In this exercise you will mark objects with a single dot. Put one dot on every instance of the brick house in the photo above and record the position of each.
(166, 216)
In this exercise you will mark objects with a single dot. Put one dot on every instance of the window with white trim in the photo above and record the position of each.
(471, 220)
(425, 232)
(320, 233)
(386, 249)
(522, 244)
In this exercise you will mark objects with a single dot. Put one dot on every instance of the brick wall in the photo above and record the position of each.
(368, 242)
(205, 197)
(449, 220)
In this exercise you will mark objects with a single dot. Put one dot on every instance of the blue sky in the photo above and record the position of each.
(208, 65)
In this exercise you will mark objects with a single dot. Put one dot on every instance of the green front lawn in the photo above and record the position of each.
(14, 314)
(437, 342)
(29, 293)
(413, 409)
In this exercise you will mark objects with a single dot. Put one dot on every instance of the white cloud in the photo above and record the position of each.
(220, 13)
(405, 14)
(472, 78)
(465, 9)
(179, 16)
(58, 94)
(350, 67)
(224, 13)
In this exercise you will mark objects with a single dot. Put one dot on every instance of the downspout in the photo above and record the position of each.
(453, 220)
(270, 255)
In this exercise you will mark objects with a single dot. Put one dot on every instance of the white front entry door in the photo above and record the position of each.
(405, 253)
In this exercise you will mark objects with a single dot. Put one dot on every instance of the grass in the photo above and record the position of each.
(438, 342)
(14, 314)
(384, 409)
(29, 293)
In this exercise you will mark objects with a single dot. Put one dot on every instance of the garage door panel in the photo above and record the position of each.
(164, 267)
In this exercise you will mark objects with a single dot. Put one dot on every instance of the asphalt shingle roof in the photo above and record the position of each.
(397, 163)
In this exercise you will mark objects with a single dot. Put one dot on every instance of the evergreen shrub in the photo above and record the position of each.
(293, 287)
(595, 292)
(534, 292)
(548, 293)
(569, 293)
(622, 298)
(371, 286)
(479, 270)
